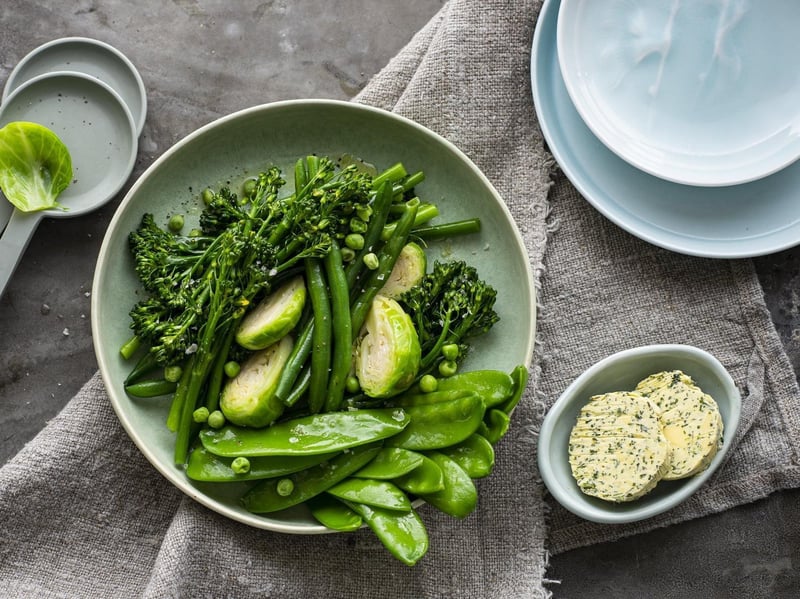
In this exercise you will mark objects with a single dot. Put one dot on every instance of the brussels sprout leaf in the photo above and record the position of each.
(35, 166)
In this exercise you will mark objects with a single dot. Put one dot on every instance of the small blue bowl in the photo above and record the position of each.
(621, 372)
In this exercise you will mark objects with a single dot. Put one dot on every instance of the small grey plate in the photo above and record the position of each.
(98, 130)
(88, 56)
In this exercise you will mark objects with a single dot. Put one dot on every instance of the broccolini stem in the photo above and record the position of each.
(380, 212)
(393, 174)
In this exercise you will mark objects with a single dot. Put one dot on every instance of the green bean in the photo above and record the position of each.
(176, 407)
(215, 379)
(396, 172)
(296, 361)
(321, 351)
(387, 258)
(425, 213)
(300, 388)
(341, 359)
(461, 227)
(265, 497)
(300, 175)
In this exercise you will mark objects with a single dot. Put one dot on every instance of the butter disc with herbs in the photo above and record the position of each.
(690, 419)
(617, 450)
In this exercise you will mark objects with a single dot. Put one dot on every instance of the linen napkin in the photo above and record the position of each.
(83, 514)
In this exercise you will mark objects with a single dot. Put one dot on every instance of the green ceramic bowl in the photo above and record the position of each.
(621, 372)
(237, 146)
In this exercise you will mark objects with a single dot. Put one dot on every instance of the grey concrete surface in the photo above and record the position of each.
(194, 56)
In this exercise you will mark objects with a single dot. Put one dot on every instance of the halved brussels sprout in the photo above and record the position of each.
(248, 399)
(407, 271)
(388, 354)
(274, 316)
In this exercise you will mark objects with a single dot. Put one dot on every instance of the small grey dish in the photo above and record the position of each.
(621, 372)
(88, 56)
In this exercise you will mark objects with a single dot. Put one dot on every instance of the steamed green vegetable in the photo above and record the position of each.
(388, 353)
(274, 316)
(249, 398)
(312, 353)
(35, 166)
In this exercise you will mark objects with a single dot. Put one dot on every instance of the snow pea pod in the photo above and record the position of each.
(520, 377)
(317, 433)
(440, 424)
(207, 467)
(153, 388)
(390, 463)
(474, 454)
(425, 478)
(268, 495)
(402, 533)
(433, 397)
(493, 386)
(459, 496)
(377, 493)
(497, 422)
(333, 514)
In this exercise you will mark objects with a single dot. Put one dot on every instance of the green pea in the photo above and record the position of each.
(448, 367)
(240, 465)
(371, 261)
(173, 373)
(440, 424)
(264, 496)
(216, 419)
(355, 241)
(196, 233)
(377, 493)
(200, 415)
(364, 212)
(352, 385)
(347, 254)
(207, 196)
(450, 351)
(428, 383)
(249, 187)
(459, 496)
(402, 533)
(175, 223)
(333, 514)
(285, 487)
(231, 368)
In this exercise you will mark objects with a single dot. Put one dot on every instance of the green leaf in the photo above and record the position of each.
(35, 166)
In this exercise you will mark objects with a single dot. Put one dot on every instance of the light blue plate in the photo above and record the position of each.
(746, 220)
(701, 93)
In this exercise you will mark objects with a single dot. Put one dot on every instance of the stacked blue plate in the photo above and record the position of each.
(677, 120)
